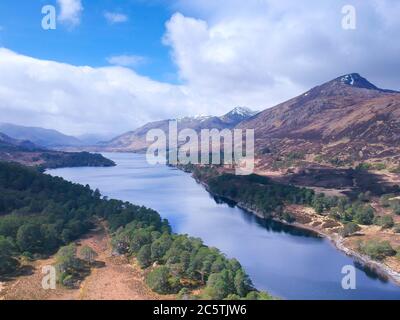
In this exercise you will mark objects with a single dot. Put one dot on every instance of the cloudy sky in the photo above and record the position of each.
(109, 66)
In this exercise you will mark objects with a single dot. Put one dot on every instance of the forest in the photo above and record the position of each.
(41, 215)
(179, 263)
(74, 159)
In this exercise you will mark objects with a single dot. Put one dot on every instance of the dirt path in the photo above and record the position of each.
(116, 280)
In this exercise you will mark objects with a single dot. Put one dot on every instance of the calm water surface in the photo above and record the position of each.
(285, 261)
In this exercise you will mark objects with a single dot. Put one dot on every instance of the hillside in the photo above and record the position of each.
(365, 226)
(343, 122)
(27, 153)
(8, 144)
(136, 140)
(40, 136)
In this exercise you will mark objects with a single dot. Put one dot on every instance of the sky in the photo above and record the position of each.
(110, 66)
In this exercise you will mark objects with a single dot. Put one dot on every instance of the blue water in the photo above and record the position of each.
(285, 261)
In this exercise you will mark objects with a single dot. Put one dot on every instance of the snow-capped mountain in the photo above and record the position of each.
(347, 118)
(237, 115)
(136, 140)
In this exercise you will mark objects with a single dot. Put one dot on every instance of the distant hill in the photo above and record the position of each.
(28, 153)
(136, 140)
(39, 136)
(9, 144)
(93, 139)
(343, 122)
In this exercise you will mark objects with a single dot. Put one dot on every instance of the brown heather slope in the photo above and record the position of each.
(343, 122)
(116, 278)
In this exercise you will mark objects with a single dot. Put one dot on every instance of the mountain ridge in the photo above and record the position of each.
(27, 153)
(135, 140)
(39, 136)
(340, 123)
(347, 118)
(8, 143)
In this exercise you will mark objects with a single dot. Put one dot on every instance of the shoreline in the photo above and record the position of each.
(336, 240)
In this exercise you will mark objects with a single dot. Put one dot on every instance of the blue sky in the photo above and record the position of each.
(163, 59)
(95, 39)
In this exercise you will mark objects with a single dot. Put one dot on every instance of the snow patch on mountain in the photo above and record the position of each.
(242, 111)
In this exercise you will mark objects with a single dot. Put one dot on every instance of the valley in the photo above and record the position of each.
(326, 162)
(289, 260)
(199, 150)
(341, 124)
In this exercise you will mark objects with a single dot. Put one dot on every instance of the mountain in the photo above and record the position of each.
(39, 136)
(8, 144)
(27, 153)
(237, 115)
(343, 122)
(90, 139)
(136, 140)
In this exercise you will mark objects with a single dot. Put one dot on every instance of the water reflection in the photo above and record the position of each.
(288, 262)
(268, 224)
(372, 273)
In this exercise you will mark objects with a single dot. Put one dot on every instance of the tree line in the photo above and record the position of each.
(179, 263)
(41, 214)
(269, 198)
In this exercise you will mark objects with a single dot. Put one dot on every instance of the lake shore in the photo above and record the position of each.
(259, 245)
(336, 240)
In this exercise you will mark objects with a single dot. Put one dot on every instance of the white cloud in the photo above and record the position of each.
(114, 17)
(263, 52)
(127, 60)
(78, 100)
(252, 53)
(71, 11)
